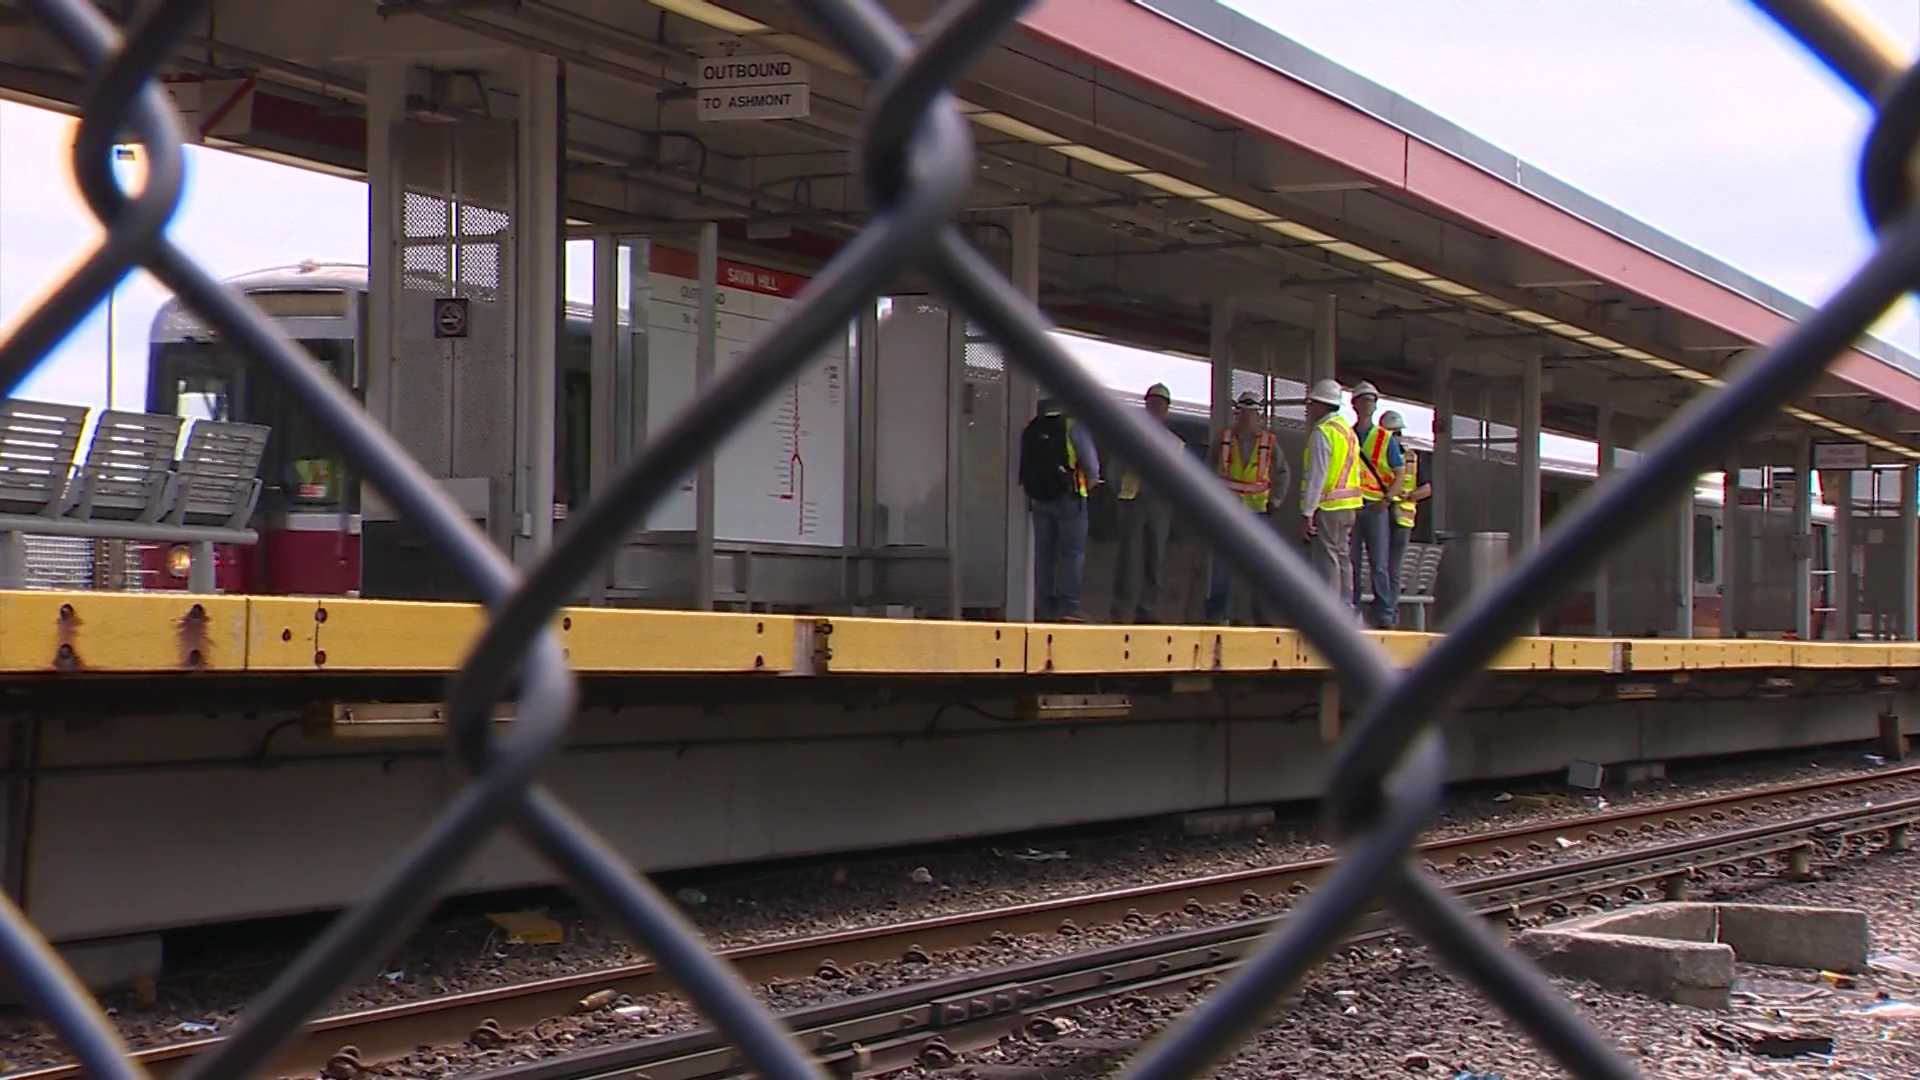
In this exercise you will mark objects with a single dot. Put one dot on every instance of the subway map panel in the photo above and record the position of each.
(781, 477)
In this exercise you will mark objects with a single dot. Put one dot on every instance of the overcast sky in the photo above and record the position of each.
(1693, 115)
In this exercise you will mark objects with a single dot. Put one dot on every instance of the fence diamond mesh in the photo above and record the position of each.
(917, 162)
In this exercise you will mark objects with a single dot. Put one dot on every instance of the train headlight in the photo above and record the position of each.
(179, 561)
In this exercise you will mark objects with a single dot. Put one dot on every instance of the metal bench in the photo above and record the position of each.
(1419, 571)
(129, 486)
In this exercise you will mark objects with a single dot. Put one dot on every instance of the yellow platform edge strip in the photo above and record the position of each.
(81, 633)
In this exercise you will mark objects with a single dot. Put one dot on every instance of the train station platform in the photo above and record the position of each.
(236, 757)
(80, 634)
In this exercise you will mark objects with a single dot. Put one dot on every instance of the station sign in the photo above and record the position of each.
(762, 86)
(1839, 455)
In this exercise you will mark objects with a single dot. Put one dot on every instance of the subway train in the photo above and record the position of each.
(309, 513)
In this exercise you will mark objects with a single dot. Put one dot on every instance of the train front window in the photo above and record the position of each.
(203, 396)
(208, 380)
(302, 455)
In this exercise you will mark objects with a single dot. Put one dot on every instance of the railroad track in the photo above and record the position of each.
(899, 1027)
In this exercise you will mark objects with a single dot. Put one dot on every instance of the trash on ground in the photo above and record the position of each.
(1895, 965)
(528, 927)
(193, 1027)
(921, 876)
(1892, 1009)
(691, 897)
(1765, 1040)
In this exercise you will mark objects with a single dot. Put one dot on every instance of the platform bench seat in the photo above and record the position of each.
(128, 486)
(1419, 571)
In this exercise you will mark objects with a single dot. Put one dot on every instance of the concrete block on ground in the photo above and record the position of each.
(1226, 822)
(107, 964)
(1637, 772)
(1831, 938)
(1689, 972)
(1668, 922)
(1586, 774)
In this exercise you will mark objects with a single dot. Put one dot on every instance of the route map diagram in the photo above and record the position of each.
(780, 478)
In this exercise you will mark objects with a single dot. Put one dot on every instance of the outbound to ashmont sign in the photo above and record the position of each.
(764, 87)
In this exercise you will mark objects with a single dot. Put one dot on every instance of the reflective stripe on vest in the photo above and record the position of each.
(1251, 480)
(1375, 447)
(1405, 509)
(1073, 463)
(1342, 491)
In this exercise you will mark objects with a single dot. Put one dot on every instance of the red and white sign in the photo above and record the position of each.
(218, 108)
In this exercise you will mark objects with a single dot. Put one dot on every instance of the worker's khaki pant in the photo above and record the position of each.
(1332, 550)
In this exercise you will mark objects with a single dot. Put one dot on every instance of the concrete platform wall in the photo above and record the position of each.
(166, 820)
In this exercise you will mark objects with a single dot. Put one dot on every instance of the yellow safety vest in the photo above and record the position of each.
(1405, 507)
(1073, 462)
(1374, 446)
(1343, 464)
(1251, 480)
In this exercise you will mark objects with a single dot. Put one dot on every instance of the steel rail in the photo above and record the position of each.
(894, 1029)
(391, 1031)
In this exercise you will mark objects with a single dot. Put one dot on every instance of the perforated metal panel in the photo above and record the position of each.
(454, 397)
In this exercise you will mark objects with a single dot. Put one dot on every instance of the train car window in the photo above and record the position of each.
(1705, 572)
(203, 396)
(301, 460)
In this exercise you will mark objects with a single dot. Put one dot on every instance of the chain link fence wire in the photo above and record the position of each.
(917, 163)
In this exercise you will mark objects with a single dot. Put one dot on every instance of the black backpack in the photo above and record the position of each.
(1044, 472)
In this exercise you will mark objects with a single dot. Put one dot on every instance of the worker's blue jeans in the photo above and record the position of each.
(1059, 555)
(1220, 585)
(1372, 532)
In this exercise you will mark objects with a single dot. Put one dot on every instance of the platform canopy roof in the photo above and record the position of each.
(1180, 153)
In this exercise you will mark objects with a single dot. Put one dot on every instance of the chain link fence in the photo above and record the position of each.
(917, 164)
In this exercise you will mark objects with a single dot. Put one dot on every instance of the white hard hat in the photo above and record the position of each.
(1159, 390)
(1391, 421)
(1364, 388)
(1326, 392)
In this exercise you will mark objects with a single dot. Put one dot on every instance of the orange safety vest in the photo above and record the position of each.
(1251, 480)
(1374, 446)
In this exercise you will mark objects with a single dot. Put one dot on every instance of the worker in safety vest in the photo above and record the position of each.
(1058, 465)
(1329, 486)
(1381, 458)
(1145, 520)
(1248, 460)
(1406, 498)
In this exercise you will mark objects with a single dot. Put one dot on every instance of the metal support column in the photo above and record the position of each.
(603, 456)
(1602, 580)
(1022, 397)
(1683, 598)
(1910, 553)
(703, 367)
(1220, 354)
(1845, 610)
(1326, 333)
(1529, 453)
(1803, 541)
(536, 295)
(956, 457)
(386, 107)
(1732, 566)
(1439, 475)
